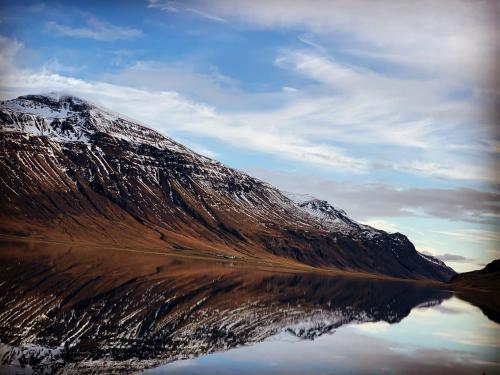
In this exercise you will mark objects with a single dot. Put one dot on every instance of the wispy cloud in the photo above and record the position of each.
(175, 6)
(457, 204)
(471, 338)
(434, 93)
(199, 148)
(472, 235)
(453, 258)
(307, 128)
(381, 224)
(173, 112)
(452, 38)
(206, 15)
(94, 29)
(383, 108)
(165, 5)
(455, 170)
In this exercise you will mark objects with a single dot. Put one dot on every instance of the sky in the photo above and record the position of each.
(389, 110)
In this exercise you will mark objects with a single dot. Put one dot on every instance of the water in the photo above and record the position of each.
(77, 309)
(451, 337)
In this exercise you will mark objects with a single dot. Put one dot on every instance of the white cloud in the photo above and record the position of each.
(173, 6)
(173, 112)
(9, 49)
(199, 148)
(206, 15)
(472, 235)
(165, 5)
(381, 224)
(180, 76)
(369, 201)
(437, 90)
(458, 171)
(453, 37)
(372, 327)
(321, 123)
(363, 106)
(94, 29)
(471, 338)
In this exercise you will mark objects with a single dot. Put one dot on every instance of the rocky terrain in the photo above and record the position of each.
(71, 171)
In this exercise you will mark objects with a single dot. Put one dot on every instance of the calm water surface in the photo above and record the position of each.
(82, 310)
(452, 337)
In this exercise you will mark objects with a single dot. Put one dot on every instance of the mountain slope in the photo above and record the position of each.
(70, 170)
(481, 288)
(486, 279)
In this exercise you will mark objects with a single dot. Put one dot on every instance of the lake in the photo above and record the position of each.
(451, 336)
(78, 309)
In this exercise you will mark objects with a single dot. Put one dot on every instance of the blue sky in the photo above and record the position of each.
(385, 109)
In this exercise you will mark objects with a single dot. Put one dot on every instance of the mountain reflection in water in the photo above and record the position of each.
(84, 310)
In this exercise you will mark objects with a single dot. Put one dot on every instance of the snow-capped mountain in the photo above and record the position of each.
(70, 170)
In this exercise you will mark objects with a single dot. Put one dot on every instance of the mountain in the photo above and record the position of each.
(73, 171)
(486, 279)
(481, 288)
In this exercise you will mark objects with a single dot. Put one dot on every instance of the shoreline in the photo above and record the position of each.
(242, 263)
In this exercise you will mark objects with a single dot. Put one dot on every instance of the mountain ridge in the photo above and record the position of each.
(481, 288)
(73, 170)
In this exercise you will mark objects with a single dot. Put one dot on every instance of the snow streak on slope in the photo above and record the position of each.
(76, 168)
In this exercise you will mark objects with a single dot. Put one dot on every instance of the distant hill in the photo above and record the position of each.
(481, 288)
(487, 279)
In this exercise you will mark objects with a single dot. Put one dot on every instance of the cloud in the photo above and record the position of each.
(458, 171)
(289, 89)
(417, 75)
(458, 262)
(94, 29)
(181, 76)
(9, 49)
(338, 123)
(381, 224)
(358, 105)
(206, 15)
(198, 148)
(471, 338)
(452, 37)
(174, 6)
(366, 109)
(366, 201)
(174, 112)
(473, 235)
(168, 6)
(454, 258)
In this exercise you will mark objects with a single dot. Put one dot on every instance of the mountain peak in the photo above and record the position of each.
(59, 96)
(54, 100)
(164, 194)
(63, 117)
(46, 106)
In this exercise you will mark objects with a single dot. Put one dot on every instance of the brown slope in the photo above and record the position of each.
(481, 288)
